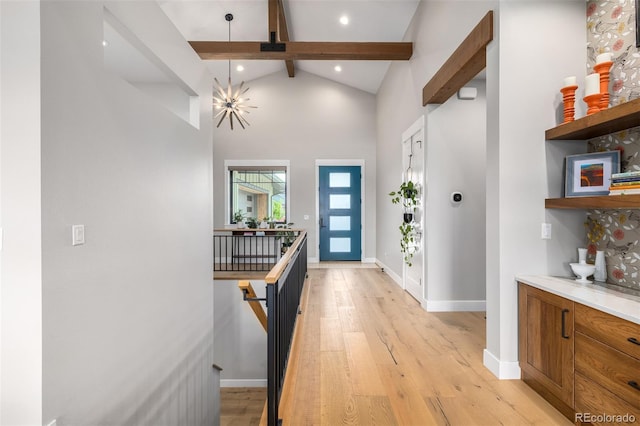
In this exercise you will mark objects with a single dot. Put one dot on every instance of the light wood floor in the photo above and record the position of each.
(241, 406)
(368, 354)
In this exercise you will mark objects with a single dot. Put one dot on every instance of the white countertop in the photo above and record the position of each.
(613, 302)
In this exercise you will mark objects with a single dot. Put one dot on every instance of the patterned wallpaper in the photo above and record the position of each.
(611, 28)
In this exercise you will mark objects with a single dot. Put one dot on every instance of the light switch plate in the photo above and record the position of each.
(546, 231)
(77, 235)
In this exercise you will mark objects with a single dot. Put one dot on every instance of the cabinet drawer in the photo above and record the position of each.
(608, 367)
(593, 399)
(613, 331)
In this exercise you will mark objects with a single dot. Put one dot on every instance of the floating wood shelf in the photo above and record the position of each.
(602, 202)
(611, 120)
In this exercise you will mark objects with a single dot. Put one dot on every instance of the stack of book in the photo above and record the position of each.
(625, 183)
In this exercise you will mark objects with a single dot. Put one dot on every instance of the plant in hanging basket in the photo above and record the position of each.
(407, 196)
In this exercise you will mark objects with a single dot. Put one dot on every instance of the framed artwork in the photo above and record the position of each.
(590, 174)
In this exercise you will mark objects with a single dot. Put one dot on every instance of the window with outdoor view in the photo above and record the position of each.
(258, 192)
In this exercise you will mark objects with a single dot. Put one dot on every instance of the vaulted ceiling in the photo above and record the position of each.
(308, 21)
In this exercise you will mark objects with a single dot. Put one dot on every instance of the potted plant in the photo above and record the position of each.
(252, 223)
(407, 196)
(238, 218)
(265, 223)
(288, 237)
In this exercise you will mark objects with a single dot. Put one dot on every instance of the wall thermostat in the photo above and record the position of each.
(456, 197)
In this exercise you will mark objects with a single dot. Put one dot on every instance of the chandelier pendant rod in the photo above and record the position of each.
(229, 103)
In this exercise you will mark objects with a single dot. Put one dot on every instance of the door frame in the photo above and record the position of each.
(347, 162)
(417, 126)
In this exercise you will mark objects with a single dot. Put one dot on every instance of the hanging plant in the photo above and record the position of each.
(408, 242)
(407, 196)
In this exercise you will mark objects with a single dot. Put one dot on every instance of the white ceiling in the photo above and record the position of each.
(307, 20)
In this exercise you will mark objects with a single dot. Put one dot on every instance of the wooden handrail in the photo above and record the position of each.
(245, 286)
(293, 365)
(266, 230)
(276, 272)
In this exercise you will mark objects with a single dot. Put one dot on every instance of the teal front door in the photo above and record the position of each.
(340, 213)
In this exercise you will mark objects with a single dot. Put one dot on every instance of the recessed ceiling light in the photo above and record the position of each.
(344, 20)
(104, 42)
(240, 68)
(337, 68)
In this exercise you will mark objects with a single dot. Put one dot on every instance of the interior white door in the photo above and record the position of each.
(413, 163)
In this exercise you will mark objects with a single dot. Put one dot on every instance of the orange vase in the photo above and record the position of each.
(603, 68)
(569, 101)
(593, 102)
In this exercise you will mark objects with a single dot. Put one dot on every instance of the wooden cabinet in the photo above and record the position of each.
(546, 348)
(585, 362)
(607, 364)
(611, 120)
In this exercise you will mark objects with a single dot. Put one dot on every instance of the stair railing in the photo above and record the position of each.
(284, 284)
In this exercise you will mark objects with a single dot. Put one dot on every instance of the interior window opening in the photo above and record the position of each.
(258, 193)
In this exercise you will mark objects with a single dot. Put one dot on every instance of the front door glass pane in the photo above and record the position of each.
(339, 223)
(339, 201)
(340, 245)
(339, 180)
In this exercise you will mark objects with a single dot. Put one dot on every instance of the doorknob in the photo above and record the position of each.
(321, 222)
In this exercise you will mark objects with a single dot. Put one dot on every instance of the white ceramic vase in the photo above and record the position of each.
(601, 268)
(582, 255)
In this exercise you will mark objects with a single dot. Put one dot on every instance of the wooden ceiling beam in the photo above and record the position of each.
(307, 50)
(463, 64)
(273, 18)
(284, 36)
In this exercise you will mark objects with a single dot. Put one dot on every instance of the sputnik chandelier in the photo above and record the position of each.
(228, 102)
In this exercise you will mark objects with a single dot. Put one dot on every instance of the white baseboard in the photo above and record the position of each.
(312, 260)
(243, 383)
(503, 370)
(395, 277)
(456, 305)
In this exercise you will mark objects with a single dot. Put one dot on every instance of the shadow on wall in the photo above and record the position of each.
(187, 395)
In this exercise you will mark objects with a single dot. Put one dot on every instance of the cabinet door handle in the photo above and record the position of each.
(564, 320)
(634, 341)
(634, 384)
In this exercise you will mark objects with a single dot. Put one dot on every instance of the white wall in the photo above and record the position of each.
(302, 119)
(393, 119)
(20, 209)
(454, 159)
(522, 98)
(522, 102)
(240, 340)
(127, 317)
